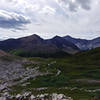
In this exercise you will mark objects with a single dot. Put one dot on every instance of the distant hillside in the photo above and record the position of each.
(84, 44)
(36, 46)
(90, 57)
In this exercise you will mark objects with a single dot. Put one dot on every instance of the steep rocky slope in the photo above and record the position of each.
(13, 68)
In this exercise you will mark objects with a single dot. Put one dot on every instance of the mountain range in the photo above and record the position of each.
(34, 45)
(84, 44)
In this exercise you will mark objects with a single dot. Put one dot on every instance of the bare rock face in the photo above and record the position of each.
(12, 70)
(84, 44)
(3, 98)
(2, 53)
(30, 96)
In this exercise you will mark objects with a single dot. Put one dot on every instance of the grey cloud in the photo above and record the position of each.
(74, 5)
(11, 20)
(85, 4)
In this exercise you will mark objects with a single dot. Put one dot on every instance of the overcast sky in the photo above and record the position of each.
(47, 18)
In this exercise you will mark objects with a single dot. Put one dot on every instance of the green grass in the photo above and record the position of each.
(84, 65)
(79, 66)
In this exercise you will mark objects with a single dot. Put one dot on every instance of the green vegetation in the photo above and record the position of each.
(23, 53)
(9, 58)
(84, 66)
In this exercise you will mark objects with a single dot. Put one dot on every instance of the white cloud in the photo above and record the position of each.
(47, 10)
(61, 17)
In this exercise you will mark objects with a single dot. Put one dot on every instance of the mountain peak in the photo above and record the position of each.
(31, 38)
(68, 37)
(57, 37)
(35, 36)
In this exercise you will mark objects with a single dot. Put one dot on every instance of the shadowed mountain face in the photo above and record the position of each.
(64, 45)
(34, 45)
(84, 44)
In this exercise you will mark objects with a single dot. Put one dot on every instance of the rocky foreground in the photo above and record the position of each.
(29, 96)
(13, 72)
(27, 79)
